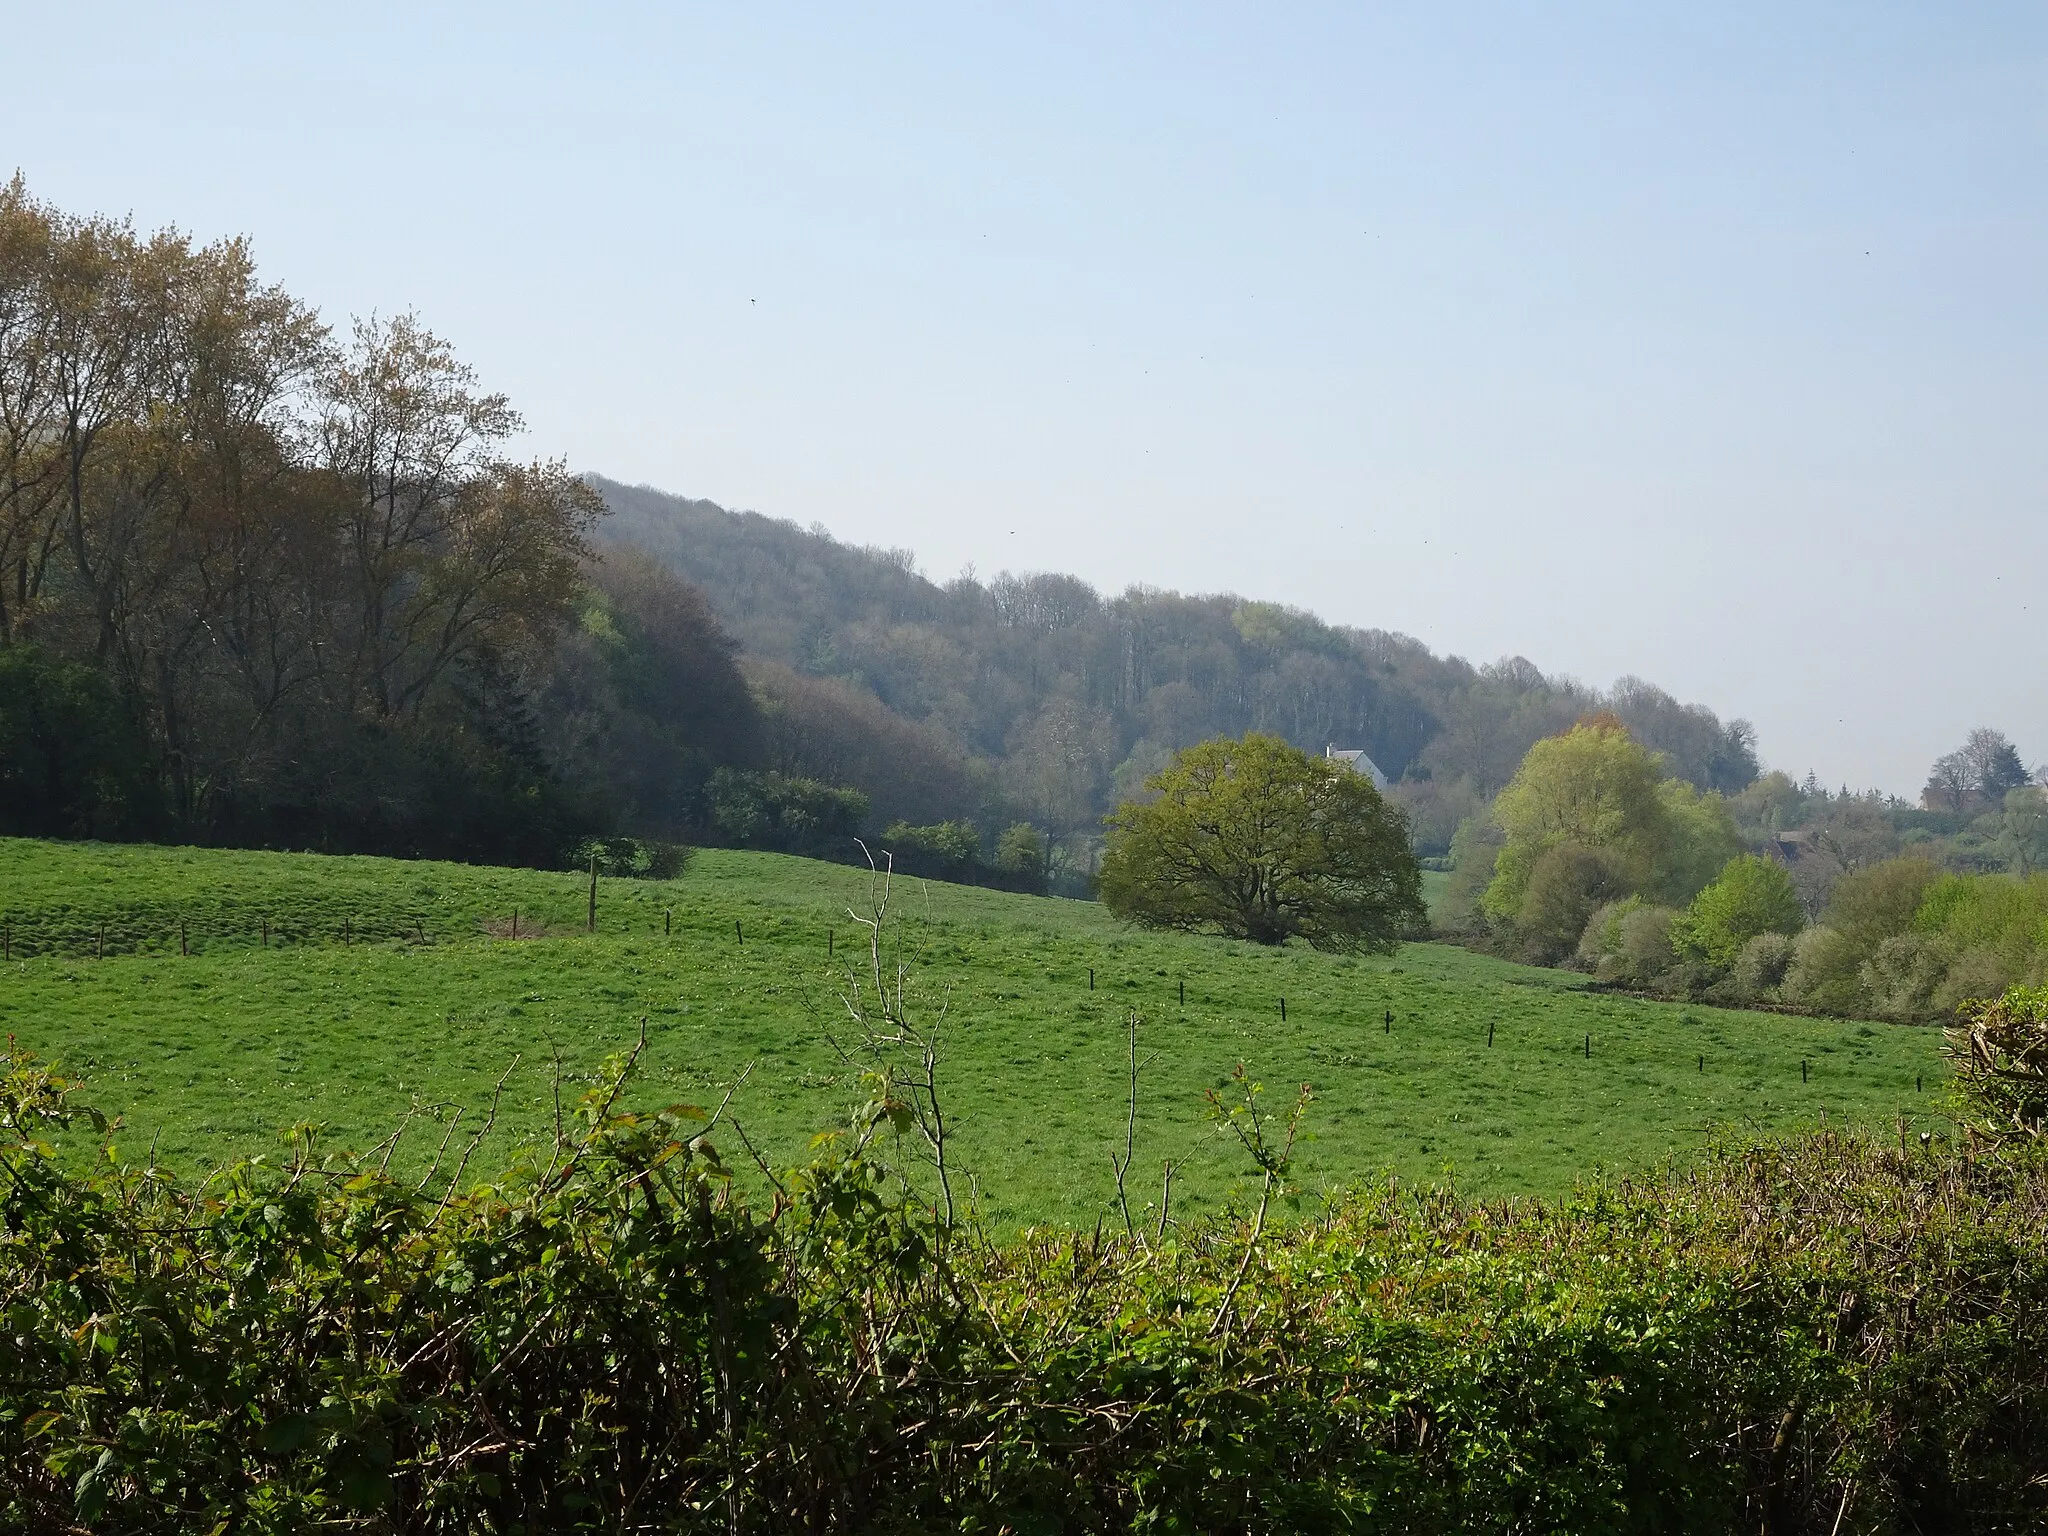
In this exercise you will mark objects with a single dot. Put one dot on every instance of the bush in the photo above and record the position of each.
(947, 842)
(1566, 885)
(1602, 938)
(752, 809)
(1898, 982)
(632, 858)
(610, 1335)
(1021, 850)
(1999, 1049)
(1825, 972)
(1628, 943)
(1760, 969)
(1752, 896)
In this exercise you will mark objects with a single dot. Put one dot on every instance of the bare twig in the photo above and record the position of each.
(902, 1054)
(475, 1141)
(1121, 1165)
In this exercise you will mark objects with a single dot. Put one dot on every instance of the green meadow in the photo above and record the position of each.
(213, 999)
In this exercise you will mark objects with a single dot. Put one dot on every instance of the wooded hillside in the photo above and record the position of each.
(1066, 698)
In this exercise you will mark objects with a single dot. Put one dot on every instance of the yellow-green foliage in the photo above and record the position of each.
(1900, 940)
(2005, 916)
(1593, 787)
(1753, 896)
(1596, 789)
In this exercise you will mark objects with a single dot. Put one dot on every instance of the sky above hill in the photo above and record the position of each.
(1704, 343)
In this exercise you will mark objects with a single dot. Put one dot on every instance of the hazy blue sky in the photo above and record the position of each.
(1703, 342)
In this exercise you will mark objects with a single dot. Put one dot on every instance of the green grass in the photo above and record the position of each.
(210, 1054)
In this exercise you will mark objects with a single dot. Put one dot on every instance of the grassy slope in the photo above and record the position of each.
(210, 1054)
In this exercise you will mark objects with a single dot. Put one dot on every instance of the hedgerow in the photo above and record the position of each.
(1822, 1334)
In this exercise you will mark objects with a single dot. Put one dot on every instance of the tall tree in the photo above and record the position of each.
(1977, 775)
(1593, 788)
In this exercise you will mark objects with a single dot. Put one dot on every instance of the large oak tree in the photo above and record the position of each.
(1257, 840)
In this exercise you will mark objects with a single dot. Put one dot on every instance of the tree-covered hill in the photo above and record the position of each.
(1053, 697)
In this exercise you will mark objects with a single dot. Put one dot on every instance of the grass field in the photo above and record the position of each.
(383, 982)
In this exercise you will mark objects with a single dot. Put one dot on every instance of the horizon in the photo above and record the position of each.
(1705, 348)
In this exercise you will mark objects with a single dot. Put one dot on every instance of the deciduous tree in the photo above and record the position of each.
(1257, 840)
(1593, 787)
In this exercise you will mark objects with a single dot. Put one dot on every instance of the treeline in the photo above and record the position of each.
(257, 582)
(1037, 697)
(1595, 855)
(1824, 1335)
(263, 583)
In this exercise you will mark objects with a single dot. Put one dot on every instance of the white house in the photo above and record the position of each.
(1358, 762)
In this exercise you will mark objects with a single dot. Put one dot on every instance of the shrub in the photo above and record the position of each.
(610, 1335)
(1752, 896)
(1566, 885)
(1824, 974)
(951, 850)
(752, 809)
(1629, 943)
(1898, 982)
(1973, 975)
(632, 858)
(1603, 935)
(947, 842)
(1021, 849)
(1761, 967)
(1873, 904)
(1999, 1049)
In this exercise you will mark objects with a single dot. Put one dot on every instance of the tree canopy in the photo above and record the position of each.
(1753, 896)
(1255, 839)
(263, 582)
(1592, 788)
(1591, 817)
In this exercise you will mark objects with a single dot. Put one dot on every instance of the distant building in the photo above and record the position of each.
(1358, 762)
(1788, 848)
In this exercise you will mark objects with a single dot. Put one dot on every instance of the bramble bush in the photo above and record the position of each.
(1825, 1334)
